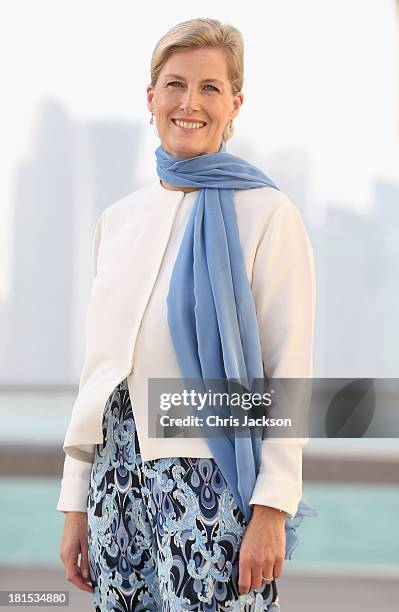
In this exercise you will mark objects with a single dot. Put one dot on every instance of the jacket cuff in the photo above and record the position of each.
(73, 495)
(277, 493)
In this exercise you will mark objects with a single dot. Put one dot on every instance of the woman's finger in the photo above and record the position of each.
(256, 577)
(74, 576)
(268, 569)
(278, 566)
(84, 560)
(244, 575)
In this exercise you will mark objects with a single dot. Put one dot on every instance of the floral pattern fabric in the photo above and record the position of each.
(163, 534)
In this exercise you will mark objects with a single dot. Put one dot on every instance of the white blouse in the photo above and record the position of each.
(280, 267)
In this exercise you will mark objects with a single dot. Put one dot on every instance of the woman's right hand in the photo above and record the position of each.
(75, 541)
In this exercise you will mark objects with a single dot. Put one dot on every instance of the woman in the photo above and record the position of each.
(183, 269)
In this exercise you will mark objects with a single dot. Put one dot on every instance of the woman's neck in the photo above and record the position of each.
(174, 188)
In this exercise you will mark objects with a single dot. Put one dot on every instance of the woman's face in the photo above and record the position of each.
(193, 85)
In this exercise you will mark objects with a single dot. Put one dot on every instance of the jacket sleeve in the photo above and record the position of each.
(76, 474)
(284, 290)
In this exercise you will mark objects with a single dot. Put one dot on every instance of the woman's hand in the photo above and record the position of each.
(262, 550)
(75, 541)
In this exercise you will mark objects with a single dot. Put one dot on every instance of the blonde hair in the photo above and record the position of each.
(203, 33)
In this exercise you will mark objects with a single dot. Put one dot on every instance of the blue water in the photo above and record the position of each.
(357, 524)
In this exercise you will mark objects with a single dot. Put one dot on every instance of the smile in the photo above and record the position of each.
(187, 126)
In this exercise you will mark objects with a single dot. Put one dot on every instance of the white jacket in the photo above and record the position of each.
(135, 244)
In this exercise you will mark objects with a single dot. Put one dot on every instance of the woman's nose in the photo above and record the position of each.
(189, 100)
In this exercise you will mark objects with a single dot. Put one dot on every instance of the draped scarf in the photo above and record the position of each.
(211, 311)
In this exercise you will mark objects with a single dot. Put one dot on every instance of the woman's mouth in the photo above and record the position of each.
(189, 126)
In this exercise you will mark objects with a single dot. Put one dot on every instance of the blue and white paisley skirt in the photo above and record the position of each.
(163, 534)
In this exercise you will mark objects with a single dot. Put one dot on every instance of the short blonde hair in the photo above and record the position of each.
(203, 33)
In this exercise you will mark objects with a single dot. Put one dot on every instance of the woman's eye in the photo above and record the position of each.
(178, 83)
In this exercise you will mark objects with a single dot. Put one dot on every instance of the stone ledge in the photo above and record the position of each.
(48, 461)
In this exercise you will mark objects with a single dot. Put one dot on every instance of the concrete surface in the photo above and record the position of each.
(297, 593)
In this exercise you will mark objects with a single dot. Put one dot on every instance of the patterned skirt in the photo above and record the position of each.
(163, 534)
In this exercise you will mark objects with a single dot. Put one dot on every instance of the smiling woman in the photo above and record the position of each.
(196, 83)
(212, 293)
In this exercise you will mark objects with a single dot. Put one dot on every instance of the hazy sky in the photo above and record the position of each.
(318, 74)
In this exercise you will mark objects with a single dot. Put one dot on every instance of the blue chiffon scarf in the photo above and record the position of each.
(211, 311)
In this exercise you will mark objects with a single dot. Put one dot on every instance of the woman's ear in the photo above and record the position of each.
(238, 101)
(150, 96)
